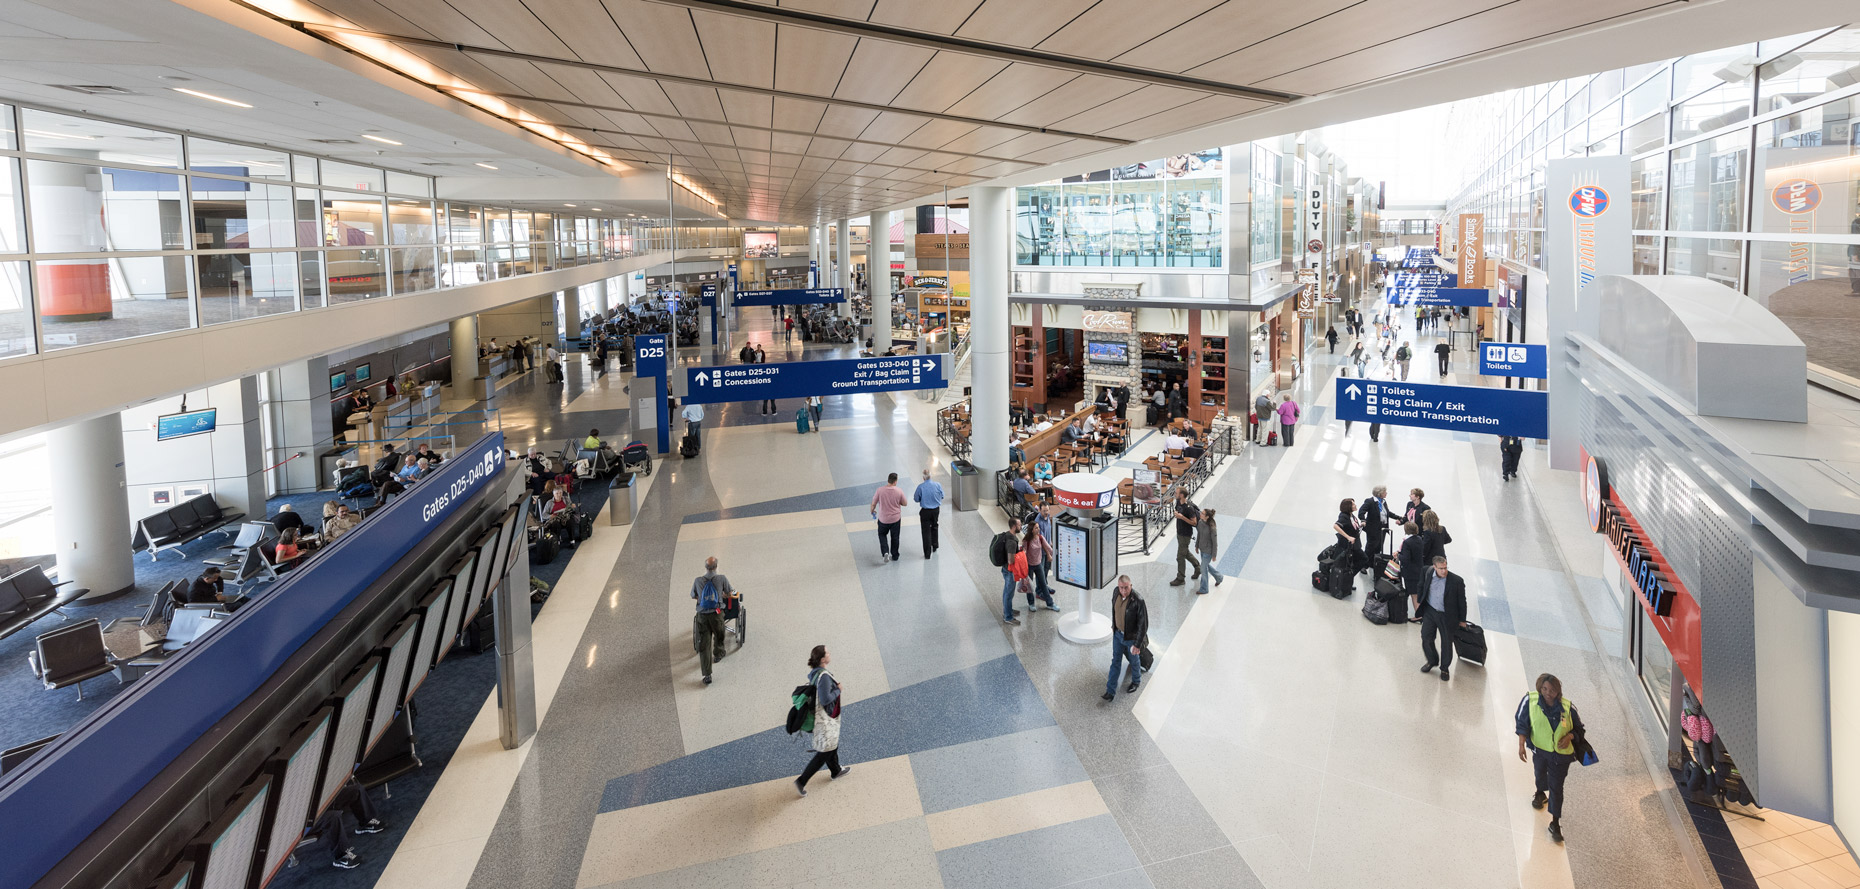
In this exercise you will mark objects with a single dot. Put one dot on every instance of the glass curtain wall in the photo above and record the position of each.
(109, 231)
(1164, 214)
(1746, 171)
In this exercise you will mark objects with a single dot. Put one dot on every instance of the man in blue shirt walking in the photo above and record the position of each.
(929, 498)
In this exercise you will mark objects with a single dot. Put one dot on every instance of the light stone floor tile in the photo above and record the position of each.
(1061, 855)
(1015, 814)
(750, 464)
(786, 598)
(894, 855)
(978, 771)
(693, 830)
(1220, 868)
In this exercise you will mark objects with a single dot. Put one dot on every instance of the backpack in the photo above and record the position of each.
(708, 597)
(999, 552)
(801, 709)
(1402, 354)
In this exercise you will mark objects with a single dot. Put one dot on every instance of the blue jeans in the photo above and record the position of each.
(1120, 650)
(1207, 570)
(1007, 594)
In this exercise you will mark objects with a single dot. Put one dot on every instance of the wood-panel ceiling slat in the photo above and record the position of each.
(879, 70)
(1076, 96)
(1019, 23)
(946, 79)
(1112, 27)
(1013, 87)
(740, 50)
(1365, 24)
(939, 17)
(1231, 26)
(810, 62)
(663, 36)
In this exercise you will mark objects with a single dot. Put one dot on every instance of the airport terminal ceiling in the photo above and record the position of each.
(797, 112)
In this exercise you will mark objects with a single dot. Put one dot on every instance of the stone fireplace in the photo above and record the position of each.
(1106, 298)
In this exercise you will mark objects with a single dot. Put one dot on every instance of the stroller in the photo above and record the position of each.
(636, 457)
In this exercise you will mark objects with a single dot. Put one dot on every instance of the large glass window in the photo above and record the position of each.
(351, 176)
(352, 221)
(1699, 71)
(1265, 207)
(236, 286)
(15, 311)
(412, 222)
(1811, 177)
(238, 215)
(228, 159)
(94, 140)
(1712, 110)
(12, 215)
(355, 275)
(1649, 192)
(1707, 184)
(85, 301)
(85, 208)
(1649, 96)
(1144, 215)
(1716, 259)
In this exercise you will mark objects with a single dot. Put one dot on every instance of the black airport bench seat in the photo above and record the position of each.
(29, 595)
(182, 524)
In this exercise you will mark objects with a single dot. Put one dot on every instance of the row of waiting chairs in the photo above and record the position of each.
(29, 595)
(182, 524)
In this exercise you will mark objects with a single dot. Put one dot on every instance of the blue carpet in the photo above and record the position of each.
(988, 700)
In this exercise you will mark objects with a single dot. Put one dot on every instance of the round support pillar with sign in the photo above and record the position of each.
(1086, 551)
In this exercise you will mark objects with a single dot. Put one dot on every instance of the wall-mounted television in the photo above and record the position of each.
(361, 373)
(1107, 353)
(760, 245)
(338, 380)
(184, 424)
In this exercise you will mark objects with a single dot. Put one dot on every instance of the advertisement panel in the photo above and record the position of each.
(1472, 247)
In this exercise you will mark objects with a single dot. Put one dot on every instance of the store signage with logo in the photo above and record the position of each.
(1797, 199)
(1669, 606)
(1594, 490)
(1314, 243)
(1101, 321)
(1472, 246)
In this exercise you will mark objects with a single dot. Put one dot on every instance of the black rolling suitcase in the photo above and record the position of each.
(689, 447)
(1469, 643)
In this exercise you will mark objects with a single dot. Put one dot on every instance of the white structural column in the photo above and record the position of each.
(303, 424)
(988, 332)
(90, 517)
(843, 252)
(465, 357)
(571, 312)
(599, 303)
(878, 277)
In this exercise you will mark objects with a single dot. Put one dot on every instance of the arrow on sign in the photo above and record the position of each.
(1353, 391)
(702, 381)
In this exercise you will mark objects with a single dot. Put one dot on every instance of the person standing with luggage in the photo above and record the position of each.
(1001, 554)
(551, 370)
(826, 744)
(694, 419)
(1443, 611)
(1288, 418)
(1207, 543)
(1415, 508)
(1436, 536)
(710, 589)
(1548, 727)
(1187, 515)
(1510, 448)
(1412, 559)
(929, 500)
(1374, 514)
(1130, 630)
(1349, 530)
(1263, 409)
(768, 404)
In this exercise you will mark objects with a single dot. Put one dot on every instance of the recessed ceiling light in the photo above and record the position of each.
(486, 166)
(51, 135)
(210, 97)
(568, 205)
(380, 139)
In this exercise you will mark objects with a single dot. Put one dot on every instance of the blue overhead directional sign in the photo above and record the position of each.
(1440, 296)
(801, 296)
(1514, 360)
(799, 379)
(1517, 412)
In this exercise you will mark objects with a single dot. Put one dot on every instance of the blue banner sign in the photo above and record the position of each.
(1517, 412)
(802, 296)
(800, 379)
(707, 295)
(1440, 296)
(649, 355)
(1514, 360)
(97, 765)
(1426, 279)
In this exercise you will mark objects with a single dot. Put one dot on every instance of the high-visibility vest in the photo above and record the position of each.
(1543, 737)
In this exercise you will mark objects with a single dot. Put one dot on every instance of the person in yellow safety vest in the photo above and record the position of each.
(1547, 723)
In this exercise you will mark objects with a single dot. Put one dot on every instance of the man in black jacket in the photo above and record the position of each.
(1130, 631)
(1443, 610)
(1374, 514)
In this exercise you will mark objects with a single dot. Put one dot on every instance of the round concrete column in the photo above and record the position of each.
(988, 331)
(90, 516)
(842, 238)
(878, 277)
(465, 357)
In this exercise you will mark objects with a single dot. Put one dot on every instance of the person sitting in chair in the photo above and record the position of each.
(1043, 470)
(341, 523)
(431, 456)
(287, 519)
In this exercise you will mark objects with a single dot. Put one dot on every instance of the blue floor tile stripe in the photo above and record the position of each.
(838, 498)
(988, 700)
(1235, 552)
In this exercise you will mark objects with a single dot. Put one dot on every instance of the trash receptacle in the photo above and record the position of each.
(967, 483)
(622, 500)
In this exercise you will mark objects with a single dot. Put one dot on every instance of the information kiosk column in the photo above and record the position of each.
(1085, 549)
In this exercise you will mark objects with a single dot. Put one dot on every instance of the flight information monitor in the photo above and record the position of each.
(352, 699)
(433, 608)
(488, 573)
(464, 579)
(228, 845)
(293, 782)
(398, 647)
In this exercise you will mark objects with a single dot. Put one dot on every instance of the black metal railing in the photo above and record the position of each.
(946, 432)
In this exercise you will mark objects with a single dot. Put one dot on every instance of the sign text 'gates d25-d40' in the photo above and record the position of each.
(1458, 408)
(800, 379)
